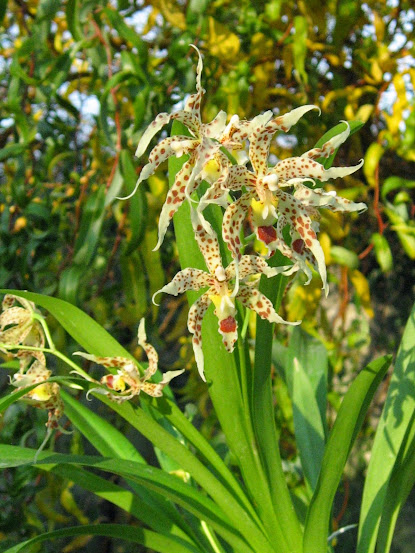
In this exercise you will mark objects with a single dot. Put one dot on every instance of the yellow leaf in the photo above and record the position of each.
(222, 42)
(69, 504)
(379, 26)
(364, 112)
(303, 301)
(376, 71)
(261, 45)
(325, 243)
(372, 158)
(333, 224)
(361, 286)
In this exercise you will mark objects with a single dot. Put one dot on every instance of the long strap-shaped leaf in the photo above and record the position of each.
(171, 412)
(147, 538)
(162, 439)
(262, 408)
(110, 442)
(348, 422)
(155, 479)
(400, 485)
(396, 417)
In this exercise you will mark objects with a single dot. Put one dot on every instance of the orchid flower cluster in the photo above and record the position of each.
(276, 197)
(22, 336)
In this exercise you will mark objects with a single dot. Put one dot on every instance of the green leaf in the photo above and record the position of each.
(309, 429)
(395, 183)
(397, 416)
(83, 329)
(262, 408)
(154, 479)
(382, 251)
(128, 33)
(355, 126)
(299, 46)
(348, 422)
(110, 442)
(12, 150)
(172, 413)
(306, 377)
(344, 257)
(90, 229)
(70, 282)
(400, 485)
(73, 19)
(161, 438)
(147, 538)
(138, 203)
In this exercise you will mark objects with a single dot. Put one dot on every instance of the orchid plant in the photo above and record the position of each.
(194, 503)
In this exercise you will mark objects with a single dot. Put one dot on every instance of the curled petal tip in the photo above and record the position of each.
(154, 295)
(141, 334)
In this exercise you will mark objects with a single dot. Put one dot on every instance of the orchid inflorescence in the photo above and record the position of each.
(279, 197)
(22, 336)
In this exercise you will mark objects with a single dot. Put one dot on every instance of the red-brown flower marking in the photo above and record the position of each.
(267, 234)
(298, 245)
(228, 324)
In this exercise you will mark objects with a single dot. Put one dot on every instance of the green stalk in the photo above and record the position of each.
(264, 418)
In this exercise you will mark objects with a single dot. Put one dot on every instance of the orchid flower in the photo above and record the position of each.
(220, 291)
(271, 204)
(128, 382)
(18, 326)
(201, 146)
(45, 396)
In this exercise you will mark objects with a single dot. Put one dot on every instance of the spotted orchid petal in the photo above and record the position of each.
(256, 301)
(253, 265)
(232, 223)
(151, 353)
(234, 177)
(187, 279)
(159, 122)
(175, 197)
(207, 241)
(156, 389)
(22, 328)
(192, 104)
(303, 167)
(215, 128)
(228, 329)
(171, 146)
(194, 325)
(329, 200)
(238, 131)
(260, 138)
(127, 382)
(122, 363)
(300, 222)
(330, 146)
(45, 396)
